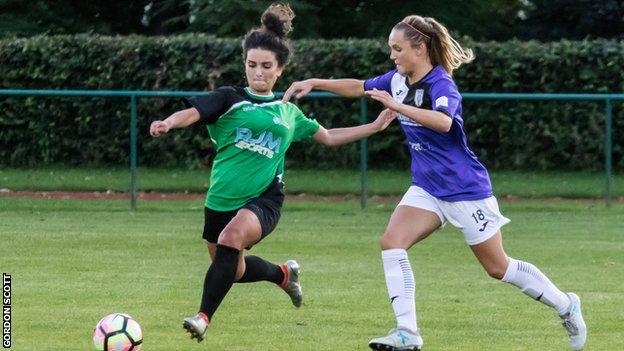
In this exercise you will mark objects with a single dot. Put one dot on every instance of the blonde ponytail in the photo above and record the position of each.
(443, 49)
(446, 51)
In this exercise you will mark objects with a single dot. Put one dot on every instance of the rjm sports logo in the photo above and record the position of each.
(6, 311)
(264, 143)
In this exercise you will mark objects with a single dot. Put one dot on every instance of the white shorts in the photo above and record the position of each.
(478, 220)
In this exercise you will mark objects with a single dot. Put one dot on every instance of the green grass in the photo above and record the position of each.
(324, 182)
(73, 262)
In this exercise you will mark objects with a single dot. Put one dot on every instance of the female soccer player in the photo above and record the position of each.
(251, 130)
(449, 184)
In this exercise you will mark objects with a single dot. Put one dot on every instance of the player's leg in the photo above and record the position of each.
(254, 269)
(531, 281)
(267, 208)
(528, 278)
(480, 222)
(242, 231)
(412, 221)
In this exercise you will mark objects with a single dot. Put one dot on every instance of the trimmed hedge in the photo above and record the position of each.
(37, 131)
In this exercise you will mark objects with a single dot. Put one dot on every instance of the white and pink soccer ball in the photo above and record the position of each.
(117, 332)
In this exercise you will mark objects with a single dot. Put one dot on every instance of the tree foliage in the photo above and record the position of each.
(481, 20)
(574, 19)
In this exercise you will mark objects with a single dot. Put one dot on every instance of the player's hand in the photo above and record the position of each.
(384, 119)
(383, 97)
(299, 89)
(158, 127)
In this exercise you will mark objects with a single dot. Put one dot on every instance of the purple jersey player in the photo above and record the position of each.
(449, 184)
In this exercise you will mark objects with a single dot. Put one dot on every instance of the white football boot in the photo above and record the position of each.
(397, 340)
(291, 283)
(574, 324)
(196, 326)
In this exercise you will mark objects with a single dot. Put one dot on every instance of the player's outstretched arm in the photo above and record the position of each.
(343, 87)
(431, 119)
(340, 136)
(179, 119)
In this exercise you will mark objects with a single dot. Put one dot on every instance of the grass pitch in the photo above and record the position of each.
(72, 262)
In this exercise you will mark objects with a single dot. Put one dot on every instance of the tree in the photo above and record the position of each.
(25, 18)
(479, 19)
(574, 19)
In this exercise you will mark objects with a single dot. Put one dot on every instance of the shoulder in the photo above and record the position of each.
(291, 108)
(229, 91)
(383, 81)
(440, 79)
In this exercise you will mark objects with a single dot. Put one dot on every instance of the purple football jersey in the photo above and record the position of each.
(442, 163)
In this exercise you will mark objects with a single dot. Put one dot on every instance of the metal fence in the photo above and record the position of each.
(133, 95)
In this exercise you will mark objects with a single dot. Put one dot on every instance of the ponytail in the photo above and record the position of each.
(443, 49)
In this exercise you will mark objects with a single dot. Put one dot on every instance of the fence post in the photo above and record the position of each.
(363, 155)
(608, 151)
(133, 151)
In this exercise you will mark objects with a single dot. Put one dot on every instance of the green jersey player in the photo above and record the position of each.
(251, 131)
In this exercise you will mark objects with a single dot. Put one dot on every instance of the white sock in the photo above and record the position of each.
(534, 283)
(401, 287)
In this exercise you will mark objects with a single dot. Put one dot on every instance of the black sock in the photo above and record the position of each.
(257, 269)
(219, 279)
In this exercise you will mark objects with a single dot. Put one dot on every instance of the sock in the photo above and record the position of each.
(219, 279)
(401, 287)
(258, 269)
(531, 281)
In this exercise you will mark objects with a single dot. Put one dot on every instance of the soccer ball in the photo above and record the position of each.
(117, 332)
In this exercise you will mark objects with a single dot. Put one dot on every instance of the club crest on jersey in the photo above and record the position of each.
(418, 97)
(280, 121)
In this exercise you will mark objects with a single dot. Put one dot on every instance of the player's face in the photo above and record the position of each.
(262, 70)
(405, 57)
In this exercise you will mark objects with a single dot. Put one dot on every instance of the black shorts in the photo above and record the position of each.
(267, 206)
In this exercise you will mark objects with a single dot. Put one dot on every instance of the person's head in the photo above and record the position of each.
(266, 49)
(416, 40)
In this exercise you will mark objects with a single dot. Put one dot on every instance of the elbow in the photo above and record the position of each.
(325, 137)
(331, 142)
(445, 128)
(446, 125)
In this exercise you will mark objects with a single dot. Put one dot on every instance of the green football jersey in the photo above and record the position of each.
(251, 134)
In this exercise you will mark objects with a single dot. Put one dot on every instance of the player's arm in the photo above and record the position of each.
(339, 136)
(436, 120)
(180, 119)
(344, 87)
(207, 108)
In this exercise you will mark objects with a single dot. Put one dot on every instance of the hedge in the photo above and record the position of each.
(42, 131)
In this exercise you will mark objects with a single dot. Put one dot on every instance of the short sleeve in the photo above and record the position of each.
(305, 127)
(381, 82)
(210, 106)
(445, 97)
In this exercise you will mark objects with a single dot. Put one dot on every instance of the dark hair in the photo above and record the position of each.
(272, 35)
(443, 49)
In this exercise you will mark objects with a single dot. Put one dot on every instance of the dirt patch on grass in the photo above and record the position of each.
(151, 196)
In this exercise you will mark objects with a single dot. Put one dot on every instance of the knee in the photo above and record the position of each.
(388, 241)
(232, 237)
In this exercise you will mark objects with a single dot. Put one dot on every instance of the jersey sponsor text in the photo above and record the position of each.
(264, 144)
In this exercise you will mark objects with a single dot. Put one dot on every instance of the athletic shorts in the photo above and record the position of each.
(478, 220)
(267, 207)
